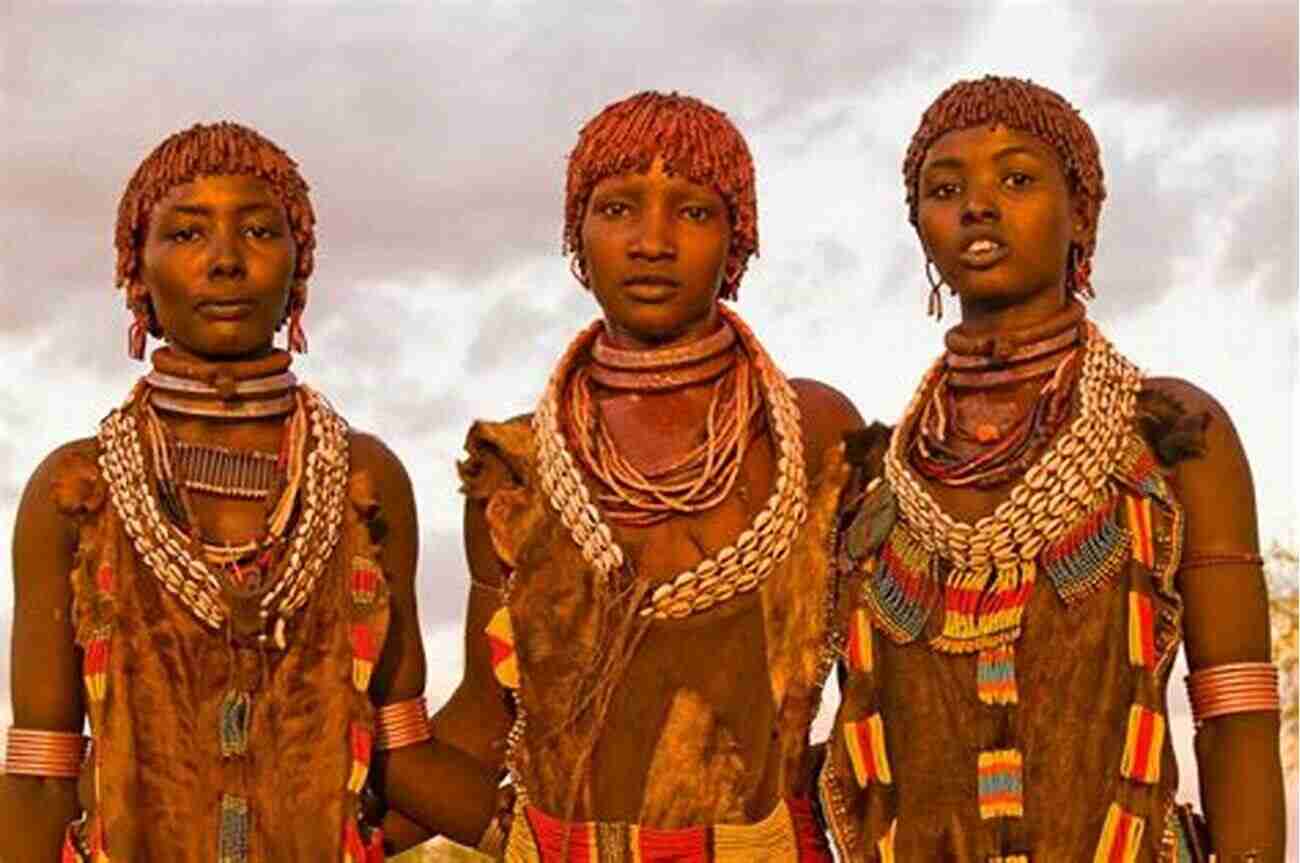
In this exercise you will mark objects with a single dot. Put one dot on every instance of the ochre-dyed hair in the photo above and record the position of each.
(211, 150)
(1027, 107)
(696, 141)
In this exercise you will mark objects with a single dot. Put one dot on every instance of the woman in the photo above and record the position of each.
(651, 587)
(1050, 526)
(222, 579)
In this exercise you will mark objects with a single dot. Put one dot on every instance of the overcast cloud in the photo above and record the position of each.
(435, 142)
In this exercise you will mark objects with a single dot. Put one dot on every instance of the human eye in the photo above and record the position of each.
(697, 213)
(183, 235)
(1017, 180)
(260, 232)
(612, 208)
(942, 191)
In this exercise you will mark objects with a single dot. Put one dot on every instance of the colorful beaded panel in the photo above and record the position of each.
(1142, 745)
(1001, 784)
(900, 589)
(1121, 837)
(1089, 555)
(858, 649)
(865, 740)
(995, 675)
(1141, 630)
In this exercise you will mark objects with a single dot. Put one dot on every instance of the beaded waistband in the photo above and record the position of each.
(789, 835)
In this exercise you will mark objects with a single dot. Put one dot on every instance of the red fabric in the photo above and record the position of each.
(549, 833)
(687, 845)
(808, 836)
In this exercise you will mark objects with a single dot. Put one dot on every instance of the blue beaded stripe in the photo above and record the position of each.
(1007, 782)
(232, 843)
(1098, 557)
(898, 615)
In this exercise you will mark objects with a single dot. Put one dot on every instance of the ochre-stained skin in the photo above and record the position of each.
(709, 722)
(254, 243)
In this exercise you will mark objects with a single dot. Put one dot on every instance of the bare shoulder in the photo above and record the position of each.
(1202, 431)
(827, 413)
(67, 482)
(64, 488)
(1210, 472)
(372, 455)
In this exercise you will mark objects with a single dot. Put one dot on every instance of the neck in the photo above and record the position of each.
(992, 317)
(183, 383)
(665, 367)
(621, 337)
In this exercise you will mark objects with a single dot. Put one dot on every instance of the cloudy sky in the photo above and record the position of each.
(435, 140)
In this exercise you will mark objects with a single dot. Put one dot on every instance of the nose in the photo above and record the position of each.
(227, 259)
(979, 206)
(655, 240)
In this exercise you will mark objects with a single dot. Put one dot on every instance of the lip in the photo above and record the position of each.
(982, 259)
(225, 310)
(651, 287)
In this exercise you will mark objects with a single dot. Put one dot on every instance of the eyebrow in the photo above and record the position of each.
(202, 210)
(957, 162)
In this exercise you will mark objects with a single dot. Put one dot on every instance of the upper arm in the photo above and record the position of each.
(46, 680)
(1225, 605)
(826, 416)
(400, 673)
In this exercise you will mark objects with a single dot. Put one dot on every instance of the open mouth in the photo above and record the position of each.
(980, 254)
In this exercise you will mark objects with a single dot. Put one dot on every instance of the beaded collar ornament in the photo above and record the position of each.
(993, 560)
(737, 568)
(183, 569)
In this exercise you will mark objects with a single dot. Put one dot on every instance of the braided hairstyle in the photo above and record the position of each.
(695, 141)
(1028, 107)
(214, 149)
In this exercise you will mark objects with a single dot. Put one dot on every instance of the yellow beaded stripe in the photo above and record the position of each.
(885, 845)
(1121, 837)
(858, 651)
(1143, 743)
(865, 741)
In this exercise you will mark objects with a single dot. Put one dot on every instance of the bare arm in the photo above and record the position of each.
(1226, 620)
(46, 682)
(436, 785)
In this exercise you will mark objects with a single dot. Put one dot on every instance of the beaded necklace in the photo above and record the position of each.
(698, 480)
(186, 571)
(737, 568)
(992, 562)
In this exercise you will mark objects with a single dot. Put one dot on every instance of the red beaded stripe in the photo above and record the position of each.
(1141, 630)
(858, 651)
(1142, 745)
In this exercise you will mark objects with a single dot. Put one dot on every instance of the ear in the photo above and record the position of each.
(1081, 228)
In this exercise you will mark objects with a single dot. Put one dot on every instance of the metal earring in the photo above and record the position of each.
(934, 306)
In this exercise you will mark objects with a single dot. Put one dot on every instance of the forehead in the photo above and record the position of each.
(987, 142)
(656, 178)
(220, 192)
